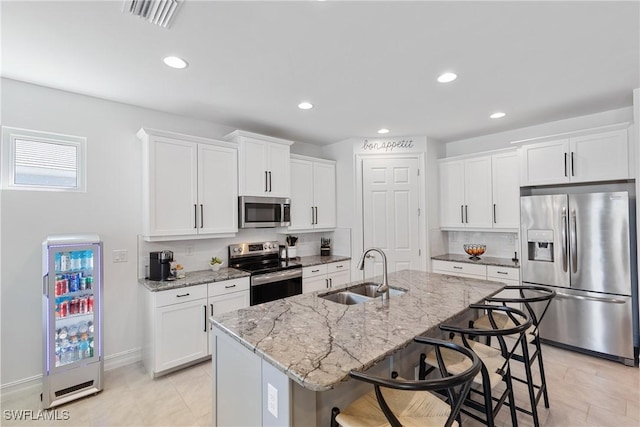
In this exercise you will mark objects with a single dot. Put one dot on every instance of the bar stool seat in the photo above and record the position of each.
(400, 402)
(504, 322)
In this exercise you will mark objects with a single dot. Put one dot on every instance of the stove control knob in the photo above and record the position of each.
(236, 250)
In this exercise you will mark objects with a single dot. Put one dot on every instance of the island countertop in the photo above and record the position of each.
(316, 342)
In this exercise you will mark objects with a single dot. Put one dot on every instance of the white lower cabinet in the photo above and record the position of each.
(176, 321)
(507, 275)
(325, 276)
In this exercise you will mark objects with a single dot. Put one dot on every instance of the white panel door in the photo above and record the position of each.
(600, 157)
(217, 189)
(324, 179)
(301, 194)
(506, 190)
(173, 187)
(182, 334)
(545, 163)
(278, 168)
(451, 175)
(317, 283)
(477, 192)
(390, 213)
(253, 170)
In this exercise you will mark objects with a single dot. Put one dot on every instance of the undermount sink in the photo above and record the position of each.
(369, 289)
(359, 294)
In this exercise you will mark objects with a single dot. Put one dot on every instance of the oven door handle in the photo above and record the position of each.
(263, 279)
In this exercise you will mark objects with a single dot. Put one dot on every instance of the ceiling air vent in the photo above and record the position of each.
(159, 12)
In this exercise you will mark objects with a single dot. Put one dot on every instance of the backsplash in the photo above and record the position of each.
(194, 255)
(501, 245)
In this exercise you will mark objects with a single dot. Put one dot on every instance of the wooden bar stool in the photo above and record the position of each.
(536, 300)
(399, 402)
(495, 362)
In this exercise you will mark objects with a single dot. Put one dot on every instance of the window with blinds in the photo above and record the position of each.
(37, 160)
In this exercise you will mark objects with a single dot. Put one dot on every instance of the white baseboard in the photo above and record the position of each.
(111, 362)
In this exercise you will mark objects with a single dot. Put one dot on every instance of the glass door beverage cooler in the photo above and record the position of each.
(72, 318)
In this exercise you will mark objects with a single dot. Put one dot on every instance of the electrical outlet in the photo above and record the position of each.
(188, 250)
(120, 255)
(272, 400)
(511, 239)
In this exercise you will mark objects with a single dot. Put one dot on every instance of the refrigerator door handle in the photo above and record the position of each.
(45, 285)
(574, 242)
(563, 239)
(588, 298)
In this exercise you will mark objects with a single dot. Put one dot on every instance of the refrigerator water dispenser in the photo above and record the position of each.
(540, 245)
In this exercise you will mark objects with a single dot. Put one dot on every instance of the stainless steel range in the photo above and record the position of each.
(271, 278)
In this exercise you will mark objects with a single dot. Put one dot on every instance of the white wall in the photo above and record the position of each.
(110, 207)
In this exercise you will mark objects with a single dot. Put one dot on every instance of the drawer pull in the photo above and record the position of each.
(230, 286)
(315, 271)
(339, 266)
(502, 272)
(183, 295)
(457, 268)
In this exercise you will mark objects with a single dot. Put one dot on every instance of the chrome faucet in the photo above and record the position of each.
(383, 288)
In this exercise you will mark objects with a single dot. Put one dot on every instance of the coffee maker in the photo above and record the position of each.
(160, 265)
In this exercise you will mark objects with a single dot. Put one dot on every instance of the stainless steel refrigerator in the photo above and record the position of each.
(582, 245)
(72, 318)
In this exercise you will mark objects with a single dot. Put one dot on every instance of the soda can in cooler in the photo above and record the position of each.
(82, 307)
(64, 308)
(90, 304)
(74, 282)
(89, 282)
(73, 306)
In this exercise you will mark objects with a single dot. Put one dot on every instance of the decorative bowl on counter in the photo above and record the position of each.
(475, 250)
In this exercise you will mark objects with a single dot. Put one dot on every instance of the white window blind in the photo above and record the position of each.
(36, 160)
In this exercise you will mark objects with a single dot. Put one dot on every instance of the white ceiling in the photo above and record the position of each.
(364, 65)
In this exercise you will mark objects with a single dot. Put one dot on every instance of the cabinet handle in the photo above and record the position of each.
(502, 272)
(457, 268)
(183, 295)
(270, 188)
(565, 164)
(330, 282)
(494, 213)
(266, 181)
(339, 266)
(314, 271)
(326, 281)
(195, 216)
(462, 214)
(573, 172)
(205, 317)
(230, 286)
(312, 216)
(466, 214)
(211, 305)
(201, 216)
(316, 215)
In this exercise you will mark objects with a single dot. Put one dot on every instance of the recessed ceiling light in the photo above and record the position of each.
(447, 77)
(305, 106)
(175, 62)
(383, 130)
(498, 115)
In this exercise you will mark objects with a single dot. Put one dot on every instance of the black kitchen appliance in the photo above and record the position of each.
(160, 265)
(271, 278)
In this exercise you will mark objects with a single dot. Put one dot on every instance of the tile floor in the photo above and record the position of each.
(584, 391)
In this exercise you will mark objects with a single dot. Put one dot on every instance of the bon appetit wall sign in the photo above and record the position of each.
(387, 146)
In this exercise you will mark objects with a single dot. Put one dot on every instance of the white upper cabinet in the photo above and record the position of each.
(189, 186)
(313, 193)
(465, 193)
(599, 156)
(506, 190)
(480, 192)
(263, 164)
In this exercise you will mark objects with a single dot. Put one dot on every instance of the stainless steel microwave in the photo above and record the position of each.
(263, 212)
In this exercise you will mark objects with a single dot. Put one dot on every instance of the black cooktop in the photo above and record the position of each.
(261, 267)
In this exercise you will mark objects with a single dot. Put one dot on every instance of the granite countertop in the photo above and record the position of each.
(193, 278)
(308, 261)
(317, 342)
(484, 260)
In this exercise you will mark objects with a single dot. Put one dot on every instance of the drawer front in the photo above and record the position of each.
(228, 286)
(504, 273)
(179, 295)
(314, 270)
(456, 274)
(338, 266)
(460, 268)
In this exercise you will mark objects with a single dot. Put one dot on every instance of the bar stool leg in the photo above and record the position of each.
(543, 379)
(512, 400)
(532, 391)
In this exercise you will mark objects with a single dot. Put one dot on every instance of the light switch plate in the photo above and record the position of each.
(272, 400)
(120, 255)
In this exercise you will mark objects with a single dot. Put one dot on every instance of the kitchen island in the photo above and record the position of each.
(287, 362)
